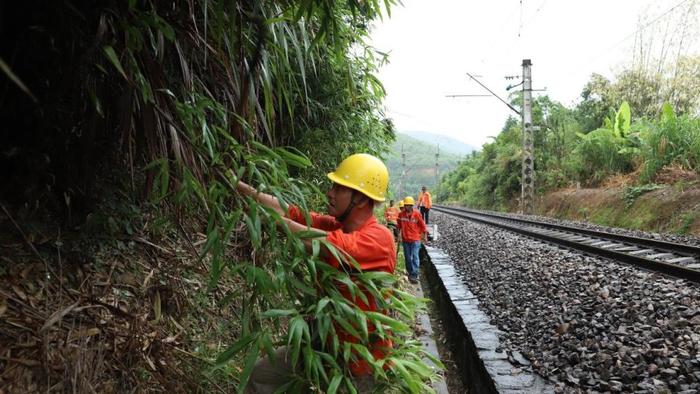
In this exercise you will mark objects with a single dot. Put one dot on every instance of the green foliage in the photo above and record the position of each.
(595, 104)
(670, 140)
(491, 178)
(201, 96)
(687, 221)
(645, 89)
(633, 192)
(565, 154)
(610, 149)
(487, 178)
(554, 142)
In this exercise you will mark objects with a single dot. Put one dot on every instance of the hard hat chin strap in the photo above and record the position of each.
(348, 209)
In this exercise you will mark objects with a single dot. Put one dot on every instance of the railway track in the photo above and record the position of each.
(682, 261)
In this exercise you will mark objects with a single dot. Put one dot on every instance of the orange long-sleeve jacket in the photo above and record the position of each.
(391, 214)
(425, 200)
(412, 226)
(372, 246)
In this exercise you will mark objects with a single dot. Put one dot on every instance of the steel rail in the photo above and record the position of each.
(673, 247)
(521, 226)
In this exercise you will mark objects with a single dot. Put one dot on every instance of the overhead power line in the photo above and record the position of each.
(494, 94)
(534, 15)
(495, 39)
(467, 95)
(520, 24)
(627, 37)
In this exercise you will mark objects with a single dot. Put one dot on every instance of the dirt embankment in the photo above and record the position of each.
(657, 208)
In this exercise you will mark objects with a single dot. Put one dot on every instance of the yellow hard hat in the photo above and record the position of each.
(401, 204)
(409, 201)
(364, 173)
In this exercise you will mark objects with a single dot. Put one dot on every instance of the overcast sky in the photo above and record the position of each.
(433, 43)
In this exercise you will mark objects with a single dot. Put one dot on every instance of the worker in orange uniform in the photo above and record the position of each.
(425, 202)
(398, 239)
(391, 215)
(413, 231)
(359, 182)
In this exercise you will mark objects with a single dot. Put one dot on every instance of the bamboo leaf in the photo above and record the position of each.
(247, 369)
(309, 234)
(348, 327)
(157, 306)
(296, 160)
(14, 78)
(237, 346)
(301, 286)
(335, 383)
(274, 313)
(321, 304)
(395, 325)
(114, 59)
(297, 326)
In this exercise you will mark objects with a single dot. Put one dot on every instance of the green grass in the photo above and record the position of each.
(605, 216)
(642, 218)
(686, 221)
(400, 261)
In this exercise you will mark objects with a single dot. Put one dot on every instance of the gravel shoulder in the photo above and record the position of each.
(585, 323)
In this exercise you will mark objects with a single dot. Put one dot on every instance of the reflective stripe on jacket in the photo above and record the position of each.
(411, 225)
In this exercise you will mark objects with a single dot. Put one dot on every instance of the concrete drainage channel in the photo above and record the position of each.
(473, 340)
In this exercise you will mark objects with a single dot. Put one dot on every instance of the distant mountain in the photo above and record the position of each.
(419, 164)
(446, 143)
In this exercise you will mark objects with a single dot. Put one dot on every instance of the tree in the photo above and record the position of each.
(595, 104)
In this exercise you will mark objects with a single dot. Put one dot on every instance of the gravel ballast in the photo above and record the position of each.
(584, 322)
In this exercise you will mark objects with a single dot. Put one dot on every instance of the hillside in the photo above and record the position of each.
(420, 163)
(657, 208)
(446, 143)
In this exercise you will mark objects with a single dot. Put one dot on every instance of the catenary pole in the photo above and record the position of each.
(528, 161)
(403, 171)
(437, 168)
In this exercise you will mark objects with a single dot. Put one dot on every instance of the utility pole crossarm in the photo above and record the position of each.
(494, 94)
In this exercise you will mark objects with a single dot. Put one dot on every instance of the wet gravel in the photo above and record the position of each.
(585, 323)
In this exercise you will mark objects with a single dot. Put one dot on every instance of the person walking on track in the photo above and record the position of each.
(424, 204)
(359, 182)
(413, 231)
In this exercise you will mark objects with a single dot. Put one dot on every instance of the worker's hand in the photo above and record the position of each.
(262, 198)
